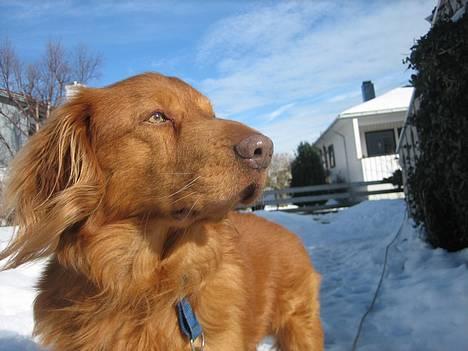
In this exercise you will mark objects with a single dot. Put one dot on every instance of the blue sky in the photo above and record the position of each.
(287, 68)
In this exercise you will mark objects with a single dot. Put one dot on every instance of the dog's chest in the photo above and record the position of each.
(147, 322)
(160, 332)
(137, 329)
(134, 307)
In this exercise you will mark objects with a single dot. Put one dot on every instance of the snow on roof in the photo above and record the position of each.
(395, 100)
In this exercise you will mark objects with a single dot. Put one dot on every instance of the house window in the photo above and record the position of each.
(325, 154)
(380, 143)
(331, 156)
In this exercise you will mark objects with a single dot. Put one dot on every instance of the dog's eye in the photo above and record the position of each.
(157, 118)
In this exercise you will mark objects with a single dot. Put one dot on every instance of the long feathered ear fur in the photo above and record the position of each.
(53, 183)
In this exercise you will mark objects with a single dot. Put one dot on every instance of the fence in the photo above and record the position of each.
(317, 197)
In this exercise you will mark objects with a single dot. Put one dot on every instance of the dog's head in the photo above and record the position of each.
(148, 146)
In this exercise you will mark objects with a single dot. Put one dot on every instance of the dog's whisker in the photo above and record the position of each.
(191, 208)
(184, 197)
(185, 187)
(178, 173)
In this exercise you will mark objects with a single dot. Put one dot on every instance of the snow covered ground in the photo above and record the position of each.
(423, 303)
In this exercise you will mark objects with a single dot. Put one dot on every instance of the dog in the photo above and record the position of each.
(129, 190)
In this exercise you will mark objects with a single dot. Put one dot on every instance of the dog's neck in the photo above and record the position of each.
(129, 257)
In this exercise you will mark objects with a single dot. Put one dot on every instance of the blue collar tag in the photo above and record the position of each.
(188, 322)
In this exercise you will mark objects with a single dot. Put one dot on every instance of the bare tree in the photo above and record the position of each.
(86, 64)
(279, 172)
(29, 91)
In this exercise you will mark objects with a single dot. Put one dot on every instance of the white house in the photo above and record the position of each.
(360, 145)
(13, 129)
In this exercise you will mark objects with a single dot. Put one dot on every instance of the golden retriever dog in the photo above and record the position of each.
(129, 190)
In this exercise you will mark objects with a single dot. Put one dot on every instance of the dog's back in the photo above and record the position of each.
(284, 285)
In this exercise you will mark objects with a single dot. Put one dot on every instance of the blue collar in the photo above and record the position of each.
(188, 322)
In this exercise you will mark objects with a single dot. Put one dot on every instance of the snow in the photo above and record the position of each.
(397, 99)
(422, 304)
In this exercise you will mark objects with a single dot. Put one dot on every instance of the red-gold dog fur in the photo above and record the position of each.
(135, 214)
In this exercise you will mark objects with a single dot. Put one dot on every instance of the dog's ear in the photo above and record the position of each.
(54, 182)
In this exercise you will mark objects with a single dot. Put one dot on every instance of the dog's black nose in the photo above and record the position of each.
(256, 150)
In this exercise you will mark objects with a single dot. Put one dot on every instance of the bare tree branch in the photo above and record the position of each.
(16, 124)
(7, 145)
(85, 65)
(34, 89)
(279, 172)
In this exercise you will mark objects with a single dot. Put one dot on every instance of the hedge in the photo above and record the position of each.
(438, 185)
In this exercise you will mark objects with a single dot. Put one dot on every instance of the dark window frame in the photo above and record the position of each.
(376, 154)
(331, 156)
(325, 156)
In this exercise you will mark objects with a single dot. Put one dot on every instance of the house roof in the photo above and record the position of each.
(395, 100)
(8, 94)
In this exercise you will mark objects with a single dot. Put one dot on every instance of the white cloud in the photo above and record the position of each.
(261, 31)
(287, 52)
(345, 96)
(278, 112)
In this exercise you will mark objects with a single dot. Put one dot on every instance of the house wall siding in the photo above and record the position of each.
(343, 171)
(10, 133)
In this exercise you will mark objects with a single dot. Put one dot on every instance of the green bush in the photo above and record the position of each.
(438, 186)
(307, 169)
